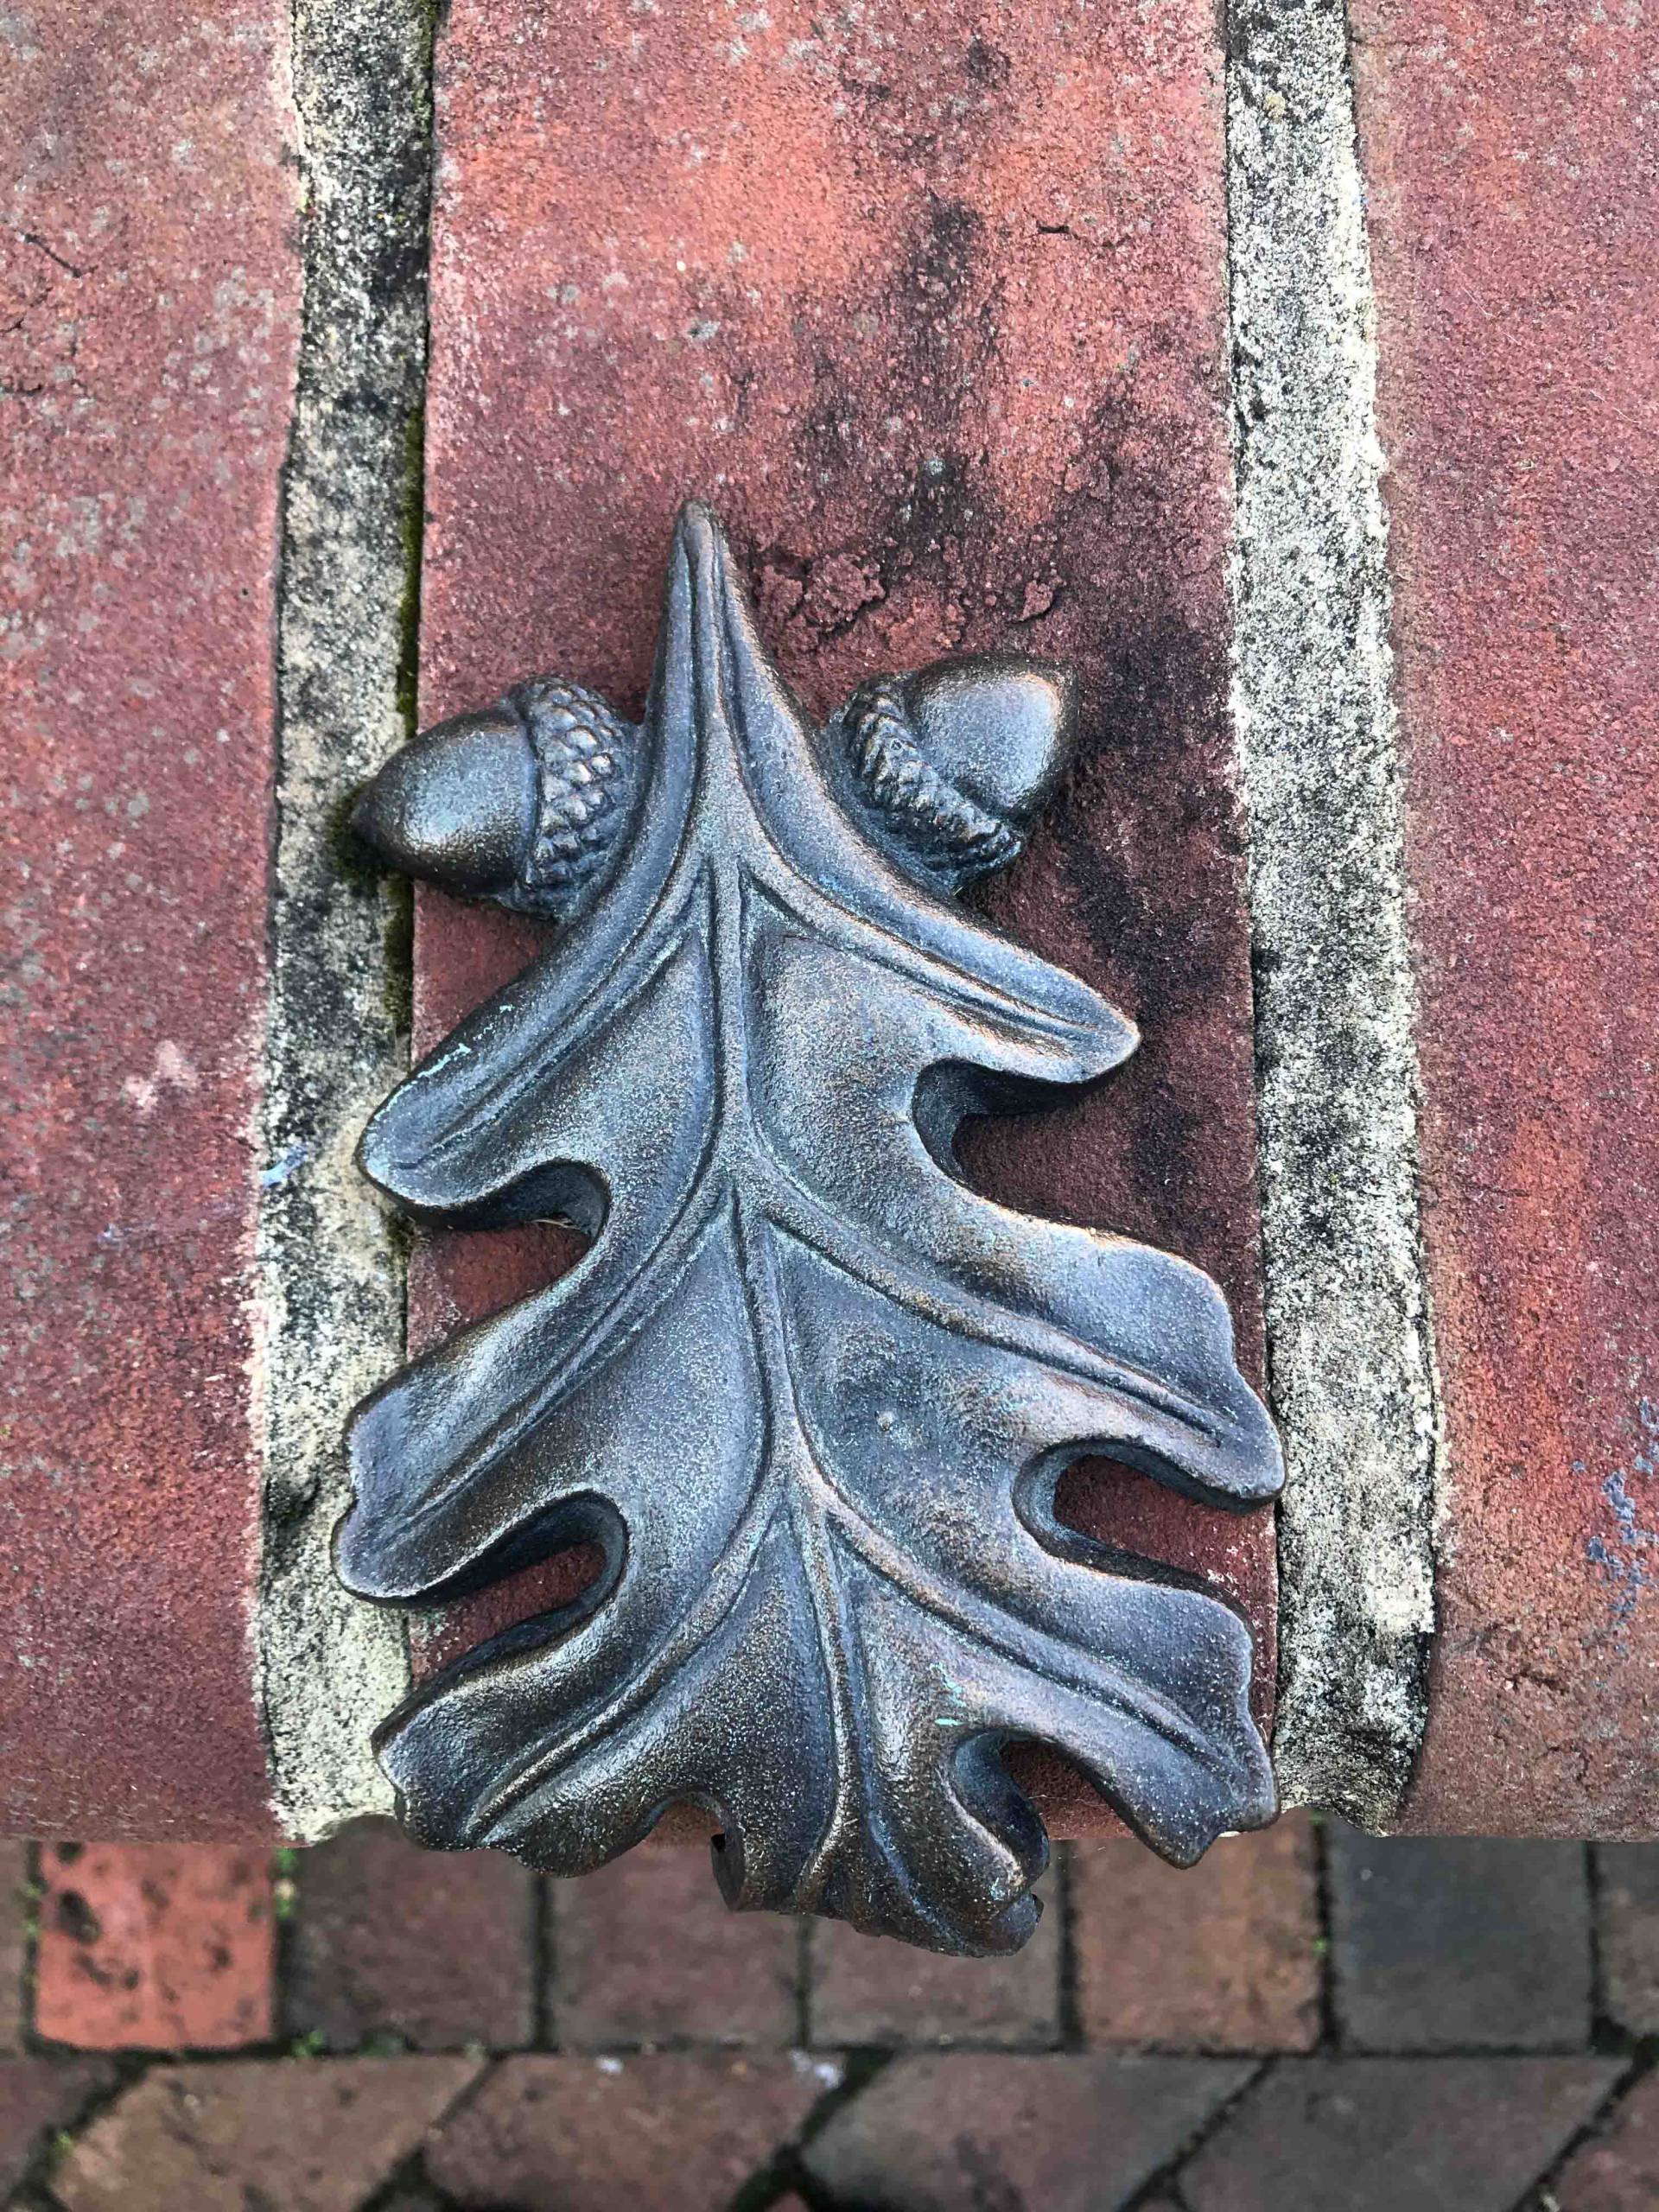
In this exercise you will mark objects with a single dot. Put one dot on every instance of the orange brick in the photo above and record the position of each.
(155, 1946)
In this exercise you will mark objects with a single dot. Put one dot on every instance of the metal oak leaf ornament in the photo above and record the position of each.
(808, 1393)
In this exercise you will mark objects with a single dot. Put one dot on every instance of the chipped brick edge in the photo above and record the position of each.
(1351, 1354)
(330, 1297)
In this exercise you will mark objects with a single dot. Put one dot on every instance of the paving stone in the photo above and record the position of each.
(588, 2134)
(865, 1991)
(155, 1946)
(1395, 2134)
(1617, 2169)
(1627, 1927)
(38, 2095)
(389, 1940)
(302, 2135)
(1451, 1942)
(1009, 463)
(1512, 202)
(1222, 1957)
(938, 2133)
(14, 1910)
(150, 303)
(645, 1951)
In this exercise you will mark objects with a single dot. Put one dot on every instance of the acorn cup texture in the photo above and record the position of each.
(954, 763)
(528, 802)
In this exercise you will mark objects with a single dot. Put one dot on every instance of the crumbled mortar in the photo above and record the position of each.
(329, 1269)
(1351, 1353)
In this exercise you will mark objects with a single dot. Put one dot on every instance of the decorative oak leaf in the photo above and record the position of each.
(809, 1394)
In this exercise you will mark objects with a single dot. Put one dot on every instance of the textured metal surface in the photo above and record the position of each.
(810, 1395)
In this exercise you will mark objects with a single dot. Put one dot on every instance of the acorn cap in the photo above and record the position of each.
(523, 803)
(954, 763)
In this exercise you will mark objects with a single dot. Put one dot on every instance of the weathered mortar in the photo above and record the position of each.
(1351, 1356)
(330, 1287)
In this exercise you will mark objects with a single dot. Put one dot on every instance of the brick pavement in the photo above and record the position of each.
(1311, 2016)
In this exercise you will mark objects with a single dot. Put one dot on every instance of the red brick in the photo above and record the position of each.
(1514, 198)
(1619, 2170)
(1395, 2134)
(1627, 1933)
(310, 2137)
(931, 2134)
(590, 2134)
(150, 305)
(1224, 1956)
(155, 1947)
(646, 1953)
(38, 2095)
(15, 1914)
(968, 348)
(867, 1991)
(437, 1947)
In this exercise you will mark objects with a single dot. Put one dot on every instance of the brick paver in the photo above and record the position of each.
(1617, 2171)
(15, 1913)
(37, 2096)
(150, 302)
(1452, 1943)
(391, 1941)
(306, 2136)
(866, 1991)
(684, 2121)
(1225, 1957)
(935, 2133)
(155, 1946)
(1395, 2134)
(955, 275)
(645, 1951)
(590, 2134)
(1628, 1929)
(1512, 202)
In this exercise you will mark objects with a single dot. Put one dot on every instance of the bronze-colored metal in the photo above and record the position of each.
(808, 1393)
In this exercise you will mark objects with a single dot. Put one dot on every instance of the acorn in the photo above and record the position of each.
(953, 765)
(527, 802)
(524, 802)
